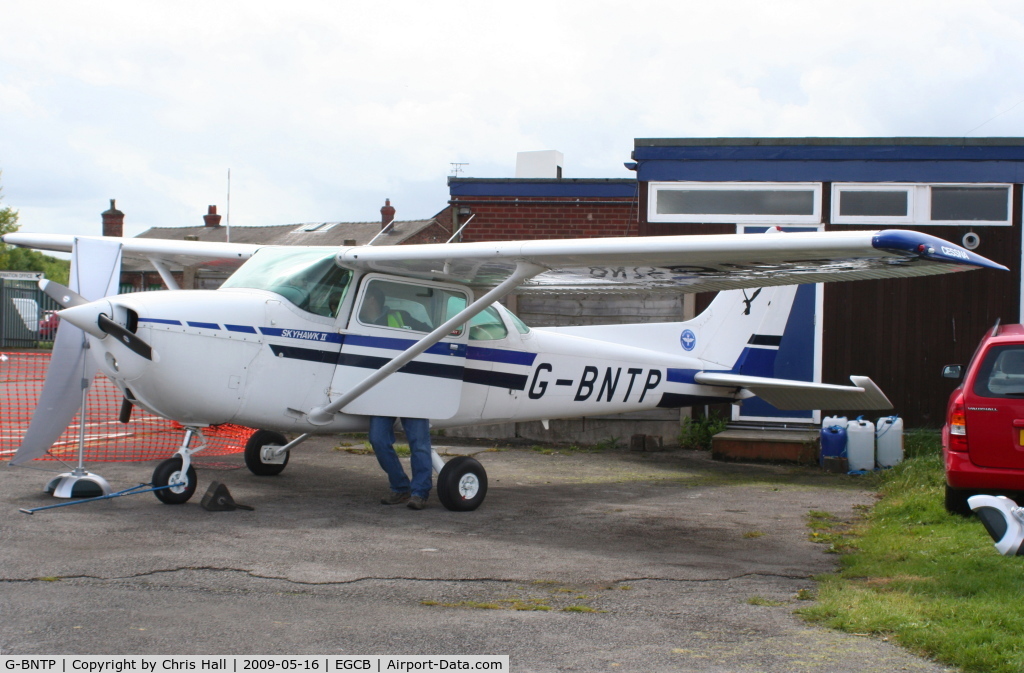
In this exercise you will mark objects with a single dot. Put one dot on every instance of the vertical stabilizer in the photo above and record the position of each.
(742, 329)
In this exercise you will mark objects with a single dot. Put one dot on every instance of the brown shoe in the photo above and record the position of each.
(394, 498)
(416, 502)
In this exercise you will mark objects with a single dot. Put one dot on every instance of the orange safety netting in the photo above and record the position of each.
(145, 437)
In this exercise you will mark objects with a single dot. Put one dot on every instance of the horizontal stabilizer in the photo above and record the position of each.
(786, 394)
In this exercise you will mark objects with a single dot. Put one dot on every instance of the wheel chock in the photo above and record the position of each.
(218, 499)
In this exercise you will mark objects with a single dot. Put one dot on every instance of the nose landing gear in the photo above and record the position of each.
(177, 472)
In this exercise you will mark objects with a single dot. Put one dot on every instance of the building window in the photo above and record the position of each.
(936, 204)
(874, 204)
(735, 202)
(987, 204)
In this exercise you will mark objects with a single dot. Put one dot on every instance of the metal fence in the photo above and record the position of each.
(26, 315)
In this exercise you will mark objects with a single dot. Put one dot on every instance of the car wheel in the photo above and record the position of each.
(956, 501)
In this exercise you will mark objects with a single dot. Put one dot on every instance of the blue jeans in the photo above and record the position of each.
(382, 439)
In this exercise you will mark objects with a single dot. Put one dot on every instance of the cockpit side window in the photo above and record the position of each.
(404, 305)
(308, 278)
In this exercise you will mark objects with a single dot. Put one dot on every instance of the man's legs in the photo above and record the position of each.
(382, 439)
(417, 430)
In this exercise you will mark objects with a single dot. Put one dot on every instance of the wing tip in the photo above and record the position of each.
(915, 244)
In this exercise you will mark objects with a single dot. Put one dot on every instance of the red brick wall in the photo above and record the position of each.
(530, 218)
(437, 232)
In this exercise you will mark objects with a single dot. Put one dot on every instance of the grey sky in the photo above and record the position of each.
(323, 109)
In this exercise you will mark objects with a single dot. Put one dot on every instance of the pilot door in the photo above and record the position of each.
(390, 316)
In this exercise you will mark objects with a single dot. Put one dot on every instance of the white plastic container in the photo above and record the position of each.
(860, 445)
(829, 421)
(889, 441)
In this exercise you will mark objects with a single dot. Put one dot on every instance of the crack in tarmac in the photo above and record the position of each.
(255, 575)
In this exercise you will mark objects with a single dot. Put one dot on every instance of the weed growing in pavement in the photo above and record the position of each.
(696, 433)
(761, 600)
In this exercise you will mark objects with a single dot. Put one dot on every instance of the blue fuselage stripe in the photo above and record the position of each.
(499, 355)
(160, 321)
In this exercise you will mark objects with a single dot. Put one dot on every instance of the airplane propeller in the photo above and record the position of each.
(130, 339)
(71, 367)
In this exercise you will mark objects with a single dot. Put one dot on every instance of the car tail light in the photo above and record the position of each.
(957, 422)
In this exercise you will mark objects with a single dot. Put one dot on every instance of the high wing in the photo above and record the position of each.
(185, 253)
(678, 263)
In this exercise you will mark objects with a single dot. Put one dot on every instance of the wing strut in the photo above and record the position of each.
(165, 273)
(524, 271)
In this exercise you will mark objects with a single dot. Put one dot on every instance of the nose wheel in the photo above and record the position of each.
(176, 473)
(462, 484)
(181, 483)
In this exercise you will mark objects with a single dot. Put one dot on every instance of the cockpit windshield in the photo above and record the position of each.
(308, 278)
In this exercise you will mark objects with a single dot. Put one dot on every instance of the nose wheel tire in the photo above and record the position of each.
(169, 472)
(254, 458)
(462, 484)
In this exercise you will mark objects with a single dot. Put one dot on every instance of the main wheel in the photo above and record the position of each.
(169, 472)
(462, 484)
(254, 453)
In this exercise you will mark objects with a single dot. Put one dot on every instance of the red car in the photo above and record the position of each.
(48, 326)
(983, 438)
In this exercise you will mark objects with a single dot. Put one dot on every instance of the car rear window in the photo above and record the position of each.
(1001, 373)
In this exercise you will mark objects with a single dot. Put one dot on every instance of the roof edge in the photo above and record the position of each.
(829, 141)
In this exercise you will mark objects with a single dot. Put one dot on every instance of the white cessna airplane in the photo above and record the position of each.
(295, 342)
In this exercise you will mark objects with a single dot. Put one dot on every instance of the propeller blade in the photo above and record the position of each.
(126, 410)
(134, 343)
(64, 296)
(70, 371)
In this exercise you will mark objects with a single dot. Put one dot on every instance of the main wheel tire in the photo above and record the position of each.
(254, 453)
(169, 472)
(462, 484)
(956, 501)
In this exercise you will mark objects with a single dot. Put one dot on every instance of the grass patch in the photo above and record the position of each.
(542, 596)
(564, 450)
(928, 580)
(761, 600)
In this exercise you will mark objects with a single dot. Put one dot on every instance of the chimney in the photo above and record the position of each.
(387, 213)
(211, 218)
(113, 221)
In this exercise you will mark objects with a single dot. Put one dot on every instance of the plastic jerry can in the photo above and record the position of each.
(833, 438)
(860, 445)
(889, 441)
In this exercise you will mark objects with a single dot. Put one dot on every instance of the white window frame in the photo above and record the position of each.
(839, 187)
(654, 216)
(919, 203)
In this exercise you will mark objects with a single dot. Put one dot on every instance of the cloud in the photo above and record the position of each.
(323, 109)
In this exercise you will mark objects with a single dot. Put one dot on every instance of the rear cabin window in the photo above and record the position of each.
(484, 326)
(1001, 373)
